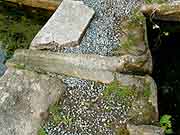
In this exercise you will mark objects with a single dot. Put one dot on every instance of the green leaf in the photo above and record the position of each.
(169, 131)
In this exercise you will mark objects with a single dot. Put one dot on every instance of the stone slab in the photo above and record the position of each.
(145, 130)
(66, 26)
(85, 66)
(24, 97)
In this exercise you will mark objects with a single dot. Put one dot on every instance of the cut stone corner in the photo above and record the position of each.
(65, 28)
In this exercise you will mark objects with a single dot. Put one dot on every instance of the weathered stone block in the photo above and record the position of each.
(24, 96)
(66, 26)
(164, 12)
(85, 66)
(144, 109)
(145, 130)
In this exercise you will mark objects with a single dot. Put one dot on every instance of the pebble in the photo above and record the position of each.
(100, 38)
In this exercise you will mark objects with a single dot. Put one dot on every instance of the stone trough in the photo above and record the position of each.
(25, 95)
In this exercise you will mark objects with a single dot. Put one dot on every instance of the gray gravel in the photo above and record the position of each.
(101, 39)
(90, 113)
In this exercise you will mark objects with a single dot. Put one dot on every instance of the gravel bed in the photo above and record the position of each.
(100, 38)
(87, 112)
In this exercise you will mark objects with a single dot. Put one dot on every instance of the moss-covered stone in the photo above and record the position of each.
(132, 40)
(165, 12)
(117, 92)
(142, 112)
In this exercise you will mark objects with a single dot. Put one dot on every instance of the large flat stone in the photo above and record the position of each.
(85, 66)
(65, 28)
(24, 97)
(145, 130)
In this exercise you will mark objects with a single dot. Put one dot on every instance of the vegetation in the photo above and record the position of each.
(56, 117)
(16, 33)
(18, 28)
(165, 123)
(122, 131)
(154, 1)
(41, 131)
(54, 111)
(137, 17)
(114, 89)
(147, 90)
(20, 66)
(133, 29)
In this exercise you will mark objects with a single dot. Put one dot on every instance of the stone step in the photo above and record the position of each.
(66, 26)
(145, 130)
(85, 66)
(24, 100)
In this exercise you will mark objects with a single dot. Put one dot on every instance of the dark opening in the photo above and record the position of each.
(164, 43)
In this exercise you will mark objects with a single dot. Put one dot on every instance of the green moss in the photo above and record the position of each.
(57, 118)
(122, 131)
(147, 90)
(131, 41)
(133, 33)
(154, 1)
(136, 17)
(143, 112)
(41, 131)
(114, 89)
(20, 66)
(54, 111)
